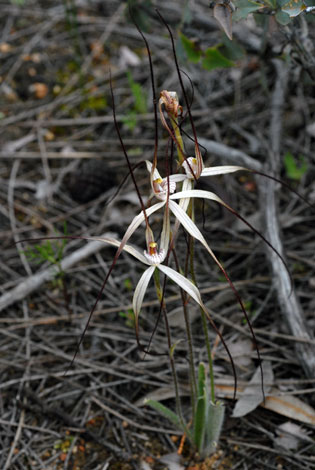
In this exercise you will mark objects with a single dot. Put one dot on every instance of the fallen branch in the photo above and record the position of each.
(34, 282)
(288, 300)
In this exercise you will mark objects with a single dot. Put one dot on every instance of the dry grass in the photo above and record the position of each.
(59, 142)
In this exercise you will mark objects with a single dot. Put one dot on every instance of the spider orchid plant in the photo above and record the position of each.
(175, 194)
(207, 413)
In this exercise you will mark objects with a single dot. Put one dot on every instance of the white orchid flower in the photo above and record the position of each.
(190, 166)
(154, 259)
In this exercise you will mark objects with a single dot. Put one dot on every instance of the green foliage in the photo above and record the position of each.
(295, 167)
(140, 13)
(130, 120)
(207, 417)
(283, 10)
(244, 7)
(250, 311)
(51, 251)
(212, 58)
(232, 50)
(129, 317)
(97, 103)
(292, 7)
(140, 103)
(282, 17)
(139, 96)
(193, 52)
(128, 284)
(166, 412)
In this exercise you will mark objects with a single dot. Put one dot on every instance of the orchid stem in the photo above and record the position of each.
(191, 355)
(179, 140)
(203, 316)
(160, 295)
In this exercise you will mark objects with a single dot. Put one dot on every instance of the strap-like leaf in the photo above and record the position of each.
(214, 424)
(201, 379)
(163, 410)
(200, 421)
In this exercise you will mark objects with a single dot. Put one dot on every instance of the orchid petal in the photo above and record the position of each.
(199, 193)
(183, 203)
(138, 221)
(177, 178)
(191, 227)
(182, 282)
(130, 249)
(187, 186)
(221, 170)
(133, 226)
(156, 175)
(140, 291)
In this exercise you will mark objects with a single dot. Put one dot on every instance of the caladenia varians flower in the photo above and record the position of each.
(153, 257)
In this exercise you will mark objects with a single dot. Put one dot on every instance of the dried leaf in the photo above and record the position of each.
(128, 57)
(252, 395)
(285, 405)
(290, 406)
(289, 435)
(223, 15)
(241, 352)
(172, 461)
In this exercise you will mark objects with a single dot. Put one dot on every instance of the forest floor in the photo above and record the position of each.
(61, 164)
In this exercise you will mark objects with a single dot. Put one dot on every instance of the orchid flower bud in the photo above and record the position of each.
(171, 103)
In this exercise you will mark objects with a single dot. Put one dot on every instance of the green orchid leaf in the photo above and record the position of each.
(215, 417)
(200, 421)
(163, 410)
(201, 379)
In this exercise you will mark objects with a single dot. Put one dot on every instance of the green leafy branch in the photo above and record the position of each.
(211, 58)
